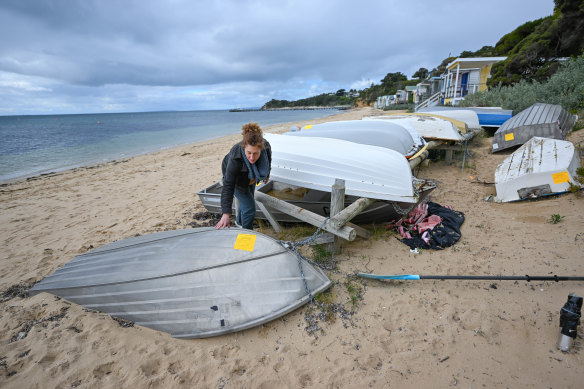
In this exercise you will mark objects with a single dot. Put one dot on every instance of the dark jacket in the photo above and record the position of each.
(235, 173)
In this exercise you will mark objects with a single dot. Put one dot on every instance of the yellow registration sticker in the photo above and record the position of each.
(561, 177)
(245, 242)
(308, 127)
(509, 137)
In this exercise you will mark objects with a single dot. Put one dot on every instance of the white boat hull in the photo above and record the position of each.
(314, 163)
(374, 133)
(540, 167)
(428, 126)
(470, 118)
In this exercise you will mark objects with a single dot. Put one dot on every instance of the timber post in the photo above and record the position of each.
(337, 205)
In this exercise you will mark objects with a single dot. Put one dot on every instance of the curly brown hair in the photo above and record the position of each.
(252, 135)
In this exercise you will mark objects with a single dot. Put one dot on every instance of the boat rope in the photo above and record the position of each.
(294, 247)
(416, 183)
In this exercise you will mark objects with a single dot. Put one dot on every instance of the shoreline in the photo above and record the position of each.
(388, 334)
(94, 165)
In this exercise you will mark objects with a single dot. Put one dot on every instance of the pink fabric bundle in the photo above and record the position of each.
(417, 220)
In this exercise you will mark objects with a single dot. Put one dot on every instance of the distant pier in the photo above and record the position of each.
(336, 107)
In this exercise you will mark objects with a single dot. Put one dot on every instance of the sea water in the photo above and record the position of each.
(35, 145)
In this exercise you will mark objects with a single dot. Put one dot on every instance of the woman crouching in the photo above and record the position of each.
(248, 163)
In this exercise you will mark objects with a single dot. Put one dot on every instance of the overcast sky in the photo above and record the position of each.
(86, 56)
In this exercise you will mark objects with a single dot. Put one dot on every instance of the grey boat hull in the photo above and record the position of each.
(316, 201)
(539, 120)
(192, 283)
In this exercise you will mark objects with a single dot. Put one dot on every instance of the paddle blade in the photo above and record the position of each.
(389, 277)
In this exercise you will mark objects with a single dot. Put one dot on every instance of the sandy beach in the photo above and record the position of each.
(409, 334)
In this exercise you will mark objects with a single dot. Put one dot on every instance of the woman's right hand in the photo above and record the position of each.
(224, 222)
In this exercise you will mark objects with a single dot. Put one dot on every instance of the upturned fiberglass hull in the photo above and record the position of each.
(467, 116)
(372, 132)
(368, 171)
(540, 167)
(191, 283)
(428, 126)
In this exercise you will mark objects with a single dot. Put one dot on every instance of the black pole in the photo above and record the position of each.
(505, 278)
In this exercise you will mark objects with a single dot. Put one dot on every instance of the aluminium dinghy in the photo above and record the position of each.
(192, 283)
(317, 201)
(542, 120)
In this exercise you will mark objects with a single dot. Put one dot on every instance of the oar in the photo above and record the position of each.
(493, 278)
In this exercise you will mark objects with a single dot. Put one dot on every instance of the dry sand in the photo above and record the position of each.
(423, 334)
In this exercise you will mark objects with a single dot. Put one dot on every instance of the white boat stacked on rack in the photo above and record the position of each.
(369, 171)
(467, 116)
(374, 133)
(488, 116)
(540, 167)
(192, 283)
(428, 126)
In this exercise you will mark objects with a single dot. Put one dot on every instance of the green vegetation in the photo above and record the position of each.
(574, 188)
(533, 48)
(341, 97)
(296, 232)
(565, 87)
(320, 253)
(355, 292)
(580, 175)
(555, 218)
(390, 84)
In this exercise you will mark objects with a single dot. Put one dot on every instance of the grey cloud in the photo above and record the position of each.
(180, 43)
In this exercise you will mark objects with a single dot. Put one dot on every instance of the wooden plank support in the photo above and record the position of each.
(337, 205)
(362, 232)
(341, 218)
(346, 232)
(429, 146)
(268, 215)
(418, 160)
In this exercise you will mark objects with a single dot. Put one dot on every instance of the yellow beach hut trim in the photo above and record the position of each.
(465, 76)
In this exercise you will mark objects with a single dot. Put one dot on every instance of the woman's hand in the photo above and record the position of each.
(266, 180)
(224, 222)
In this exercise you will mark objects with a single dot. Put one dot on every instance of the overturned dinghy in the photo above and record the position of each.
(192, 283)
(540, 167)
(488, 116)
(467, 116)
(317, 201)
(376, 133)
(428, 126)
(369, 171)
(543, 120)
